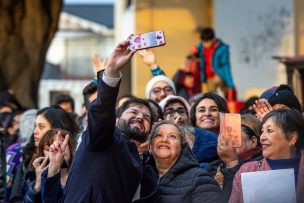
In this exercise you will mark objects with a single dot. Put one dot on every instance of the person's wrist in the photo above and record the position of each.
(53, 169)
(37, 186)
(111, 73)
(153, 66)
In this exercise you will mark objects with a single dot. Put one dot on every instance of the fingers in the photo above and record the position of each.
(261, 108)
(96, 58)
(57, 136)
(44, 162)
(124, 43)
(37, 161)
(177, 119)
(141, 53)
(129, 37)
(65, 142)
(268, 106)
(105, 62)
(131, 53)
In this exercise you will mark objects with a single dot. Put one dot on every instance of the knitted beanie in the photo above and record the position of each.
(285, 95)
(164, 103)
(156, 79)
(268, 92)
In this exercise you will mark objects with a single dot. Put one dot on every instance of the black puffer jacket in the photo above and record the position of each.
(187, 182)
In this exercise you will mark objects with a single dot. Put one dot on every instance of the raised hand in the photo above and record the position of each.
(56, 154)
(39, 164)
(226, 153)
(262, 107)
(99, 65)
(148, 57)
(118, 59)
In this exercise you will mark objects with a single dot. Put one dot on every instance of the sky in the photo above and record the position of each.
(87, 1)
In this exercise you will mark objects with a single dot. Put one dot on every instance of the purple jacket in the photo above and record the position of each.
(237, 193)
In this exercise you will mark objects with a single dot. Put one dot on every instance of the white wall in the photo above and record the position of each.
(124, 20)
(256, 30)
(74, 87)
(56, 51)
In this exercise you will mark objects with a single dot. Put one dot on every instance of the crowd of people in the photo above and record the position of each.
(164, 148)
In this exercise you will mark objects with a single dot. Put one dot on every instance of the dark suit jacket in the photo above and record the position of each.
(106, 167)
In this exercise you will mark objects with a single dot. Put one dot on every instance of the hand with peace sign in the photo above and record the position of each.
(57, 153)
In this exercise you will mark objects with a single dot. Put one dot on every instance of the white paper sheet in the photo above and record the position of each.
(269, 186)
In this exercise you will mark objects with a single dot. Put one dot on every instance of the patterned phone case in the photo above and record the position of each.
(147, 40)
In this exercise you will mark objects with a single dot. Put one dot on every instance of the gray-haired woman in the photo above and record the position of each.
(180, 177)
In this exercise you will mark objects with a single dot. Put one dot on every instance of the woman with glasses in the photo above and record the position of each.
(159, 87)
(202, 142)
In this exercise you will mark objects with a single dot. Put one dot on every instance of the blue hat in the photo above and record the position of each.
(268, 92)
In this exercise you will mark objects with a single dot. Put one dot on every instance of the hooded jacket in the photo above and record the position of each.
(186, 182)
(220, 63)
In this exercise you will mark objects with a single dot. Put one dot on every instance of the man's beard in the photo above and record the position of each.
(133, 133)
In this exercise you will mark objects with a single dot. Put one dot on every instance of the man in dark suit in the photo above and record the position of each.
(106, 166)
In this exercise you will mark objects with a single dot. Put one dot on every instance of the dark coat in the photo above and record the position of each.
(31, 196)
(106, 166)
(204, 147)
(187, 182)
(229, 173)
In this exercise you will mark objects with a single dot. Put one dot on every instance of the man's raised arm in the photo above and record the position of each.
(101, 115)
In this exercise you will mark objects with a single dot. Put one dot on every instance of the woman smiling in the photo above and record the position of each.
(180, 177)
(282, 145)
(205, 112)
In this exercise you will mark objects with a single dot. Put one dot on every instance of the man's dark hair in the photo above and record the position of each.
(207, 34)
(159, 112)
(132, 102)
(127, 96)
(87, 91)
(63, 98)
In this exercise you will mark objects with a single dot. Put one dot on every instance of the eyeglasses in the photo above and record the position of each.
(171, 112)
(167, 90)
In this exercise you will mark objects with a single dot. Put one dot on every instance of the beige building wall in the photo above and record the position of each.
(299, 26)
(179, 20)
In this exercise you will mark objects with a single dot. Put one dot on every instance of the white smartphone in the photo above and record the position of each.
(147, 40)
